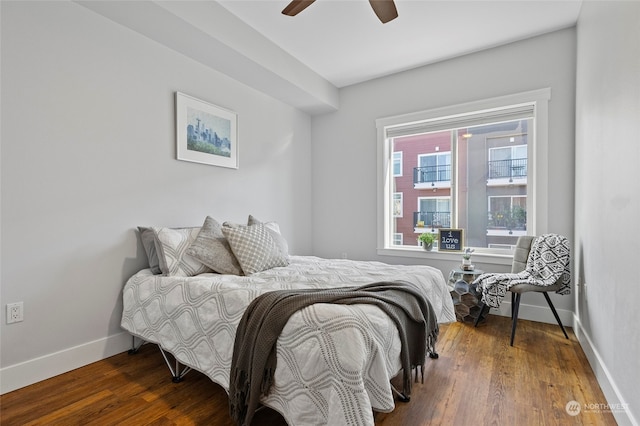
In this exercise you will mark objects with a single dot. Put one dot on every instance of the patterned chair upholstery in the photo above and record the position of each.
(520, 257)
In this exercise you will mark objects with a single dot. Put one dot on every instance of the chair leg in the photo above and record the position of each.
(555, 313)
(482, 306)
(514, 318)
(513, 303)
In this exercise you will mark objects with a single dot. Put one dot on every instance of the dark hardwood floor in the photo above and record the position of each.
(478, 380)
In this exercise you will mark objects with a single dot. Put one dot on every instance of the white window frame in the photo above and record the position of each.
(537, 153)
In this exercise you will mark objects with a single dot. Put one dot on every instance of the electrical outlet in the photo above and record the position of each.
(14, 312)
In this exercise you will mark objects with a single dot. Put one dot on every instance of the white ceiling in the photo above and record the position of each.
(344, 42)
(304, 60)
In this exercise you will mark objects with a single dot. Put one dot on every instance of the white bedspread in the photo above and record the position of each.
(335, 362)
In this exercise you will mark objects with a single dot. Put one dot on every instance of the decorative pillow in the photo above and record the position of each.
(149, 243)
(172, 245)
(232, 225)
(274, 230)
(254, 248)
(213, 250)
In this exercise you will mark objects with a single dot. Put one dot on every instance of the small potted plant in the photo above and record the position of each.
(466, 259)
(427, 239)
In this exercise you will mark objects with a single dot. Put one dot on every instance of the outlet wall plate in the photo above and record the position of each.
(14, 312)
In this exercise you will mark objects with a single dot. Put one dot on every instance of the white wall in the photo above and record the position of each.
(344, 142)
(607, 234)
(88, 154)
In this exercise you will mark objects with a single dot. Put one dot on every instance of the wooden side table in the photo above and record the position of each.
(467, 301)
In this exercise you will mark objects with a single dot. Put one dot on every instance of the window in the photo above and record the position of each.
(434, 212)
(397, 163)
(508, 162)
(507, 216)
(433, 168)
(397, 204)
(473, 168)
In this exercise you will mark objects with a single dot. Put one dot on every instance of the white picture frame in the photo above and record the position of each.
(206, 133)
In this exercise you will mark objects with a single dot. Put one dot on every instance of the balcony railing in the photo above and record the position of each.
(515, 219)
(431, 174)
(502, 169)
(432, 219)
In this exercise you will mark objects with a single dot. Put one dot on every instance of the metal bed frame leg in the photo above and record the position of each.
(177, 373)
(401, 396)
(134, 349)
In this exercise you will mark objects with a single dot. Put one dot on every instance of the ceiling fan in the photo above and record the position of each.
(384, 9)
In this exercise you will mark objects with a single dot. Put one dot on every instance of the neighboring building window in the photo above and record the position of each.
(434, 212)
(397, 204)
(397, 164)
(508, 162)
(433, 168)
(398, 239)
(507, 215)
(471, 170)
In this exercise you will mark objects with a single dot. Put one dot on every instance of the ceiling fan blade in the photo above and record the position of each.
(296, 6)
(384, 9)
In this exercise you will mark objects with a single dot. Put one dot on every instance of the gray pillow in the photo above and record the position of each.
(254, 248)
(212, 249)
(149, 244)
(172, 245)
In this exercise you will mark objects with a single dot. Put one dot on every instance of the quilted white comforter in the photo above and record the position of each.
(335, 362)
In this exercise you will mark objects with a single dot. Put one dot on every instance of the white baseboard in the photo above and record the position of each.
(619, 407)
(535, 313)
(35, 370)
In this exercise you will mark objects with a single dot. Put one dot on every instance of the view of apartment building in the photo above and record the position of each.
(472, 178)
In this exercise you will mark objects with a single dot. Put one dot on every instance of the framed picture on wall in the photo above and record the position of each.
(205, 133)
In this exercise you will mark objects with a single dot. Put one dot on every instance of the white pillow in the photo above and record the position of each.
(172, 245)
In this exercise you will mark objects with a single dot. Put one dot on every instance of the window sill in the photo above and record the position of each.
(480, 258)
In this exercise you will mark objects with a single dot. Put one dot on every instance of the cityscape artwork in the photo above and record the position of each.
(206, 133)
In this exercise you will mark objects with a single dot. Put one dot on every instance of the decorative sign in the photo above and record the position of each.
(450, 239)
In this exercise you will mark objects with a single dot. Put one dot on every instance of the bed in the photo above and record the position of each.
(334, 362)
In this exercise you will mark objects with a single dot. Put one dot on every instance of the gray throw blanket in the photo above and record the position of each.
(254, 353)
(548, 263)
